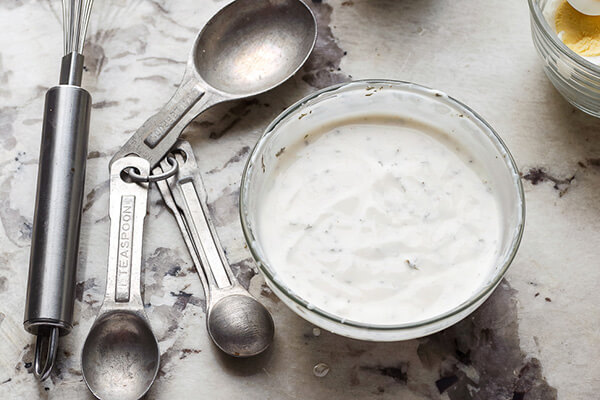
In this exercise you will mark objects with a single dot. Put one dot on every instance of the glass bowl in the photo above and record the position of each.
(576, 78)
(399, 100)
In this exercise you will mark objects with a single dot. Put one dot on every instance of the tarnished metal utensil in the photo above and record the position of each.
(247, 48)
(237, 323)
(120, 356)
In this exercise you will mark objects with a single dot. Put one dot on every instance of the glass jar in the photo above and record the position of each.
(576, 78)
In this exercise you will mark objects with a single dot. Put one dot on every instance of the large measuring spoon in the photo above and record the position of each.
(247, 48)
(237, 323)
(120, 356)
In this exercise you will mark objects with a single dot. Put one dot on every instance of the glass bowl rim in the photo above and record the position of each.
(491, 134)
(548, 32)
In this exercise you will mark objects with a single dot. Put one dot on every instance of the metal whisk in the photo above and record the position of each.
(59, 198)
(76, 16)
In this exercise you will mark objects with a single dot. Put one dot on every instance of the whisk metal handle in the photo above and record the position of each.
(71, 69)
(57, 216)
(59, 197)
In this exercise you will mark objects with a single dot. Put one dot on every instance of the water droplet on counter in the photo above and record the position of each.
(320, 370)
(316, 332)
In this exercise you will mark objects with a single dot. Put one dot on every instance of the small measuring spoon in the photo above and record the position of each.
(247, 48)
(120, 356)
(237, 323)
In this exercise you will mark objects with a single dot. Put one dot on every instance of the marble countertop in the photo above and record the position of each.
(536, 338)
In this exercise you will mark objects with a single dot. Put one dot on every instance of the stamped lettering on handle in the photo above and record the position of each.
(125, 248)
(184, 99)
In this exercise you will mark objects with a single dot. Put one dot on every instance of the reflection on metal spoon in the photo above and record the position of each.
(247, 48)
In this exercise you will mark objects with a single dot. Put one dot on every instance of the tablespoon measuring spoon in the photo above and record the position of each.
(247, 48)
(120, 356)
(237, 323)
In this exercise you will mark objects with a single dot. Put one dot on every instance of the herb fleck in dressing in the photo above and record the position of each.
(380, 221)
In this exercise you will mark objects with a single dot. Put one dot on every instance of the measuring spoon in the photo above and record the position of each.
(247, 48)
(237, 323)
(120, 356)
(587, 7)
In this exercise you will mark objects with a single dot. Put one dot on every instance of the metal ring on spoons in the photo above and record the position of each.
(135, 176)
(247, 48)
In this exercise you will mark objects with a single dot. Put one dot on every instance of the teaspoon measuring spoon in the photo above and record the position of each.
(120, 356)
(247, 48)
(237, 323)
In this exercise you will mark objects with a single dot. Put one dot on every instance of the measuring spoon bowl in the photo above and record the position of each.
(252, 46)
(240, 325)
(120, 357)
(247, 48)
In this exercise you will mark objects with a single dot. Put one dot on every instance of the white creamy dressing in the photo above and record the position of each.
(380, 221)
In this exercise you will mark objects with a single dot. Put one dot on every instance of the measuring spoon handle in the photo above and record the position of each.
(158, 134)
(190, 195)
(127, 211)
(165, 192)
